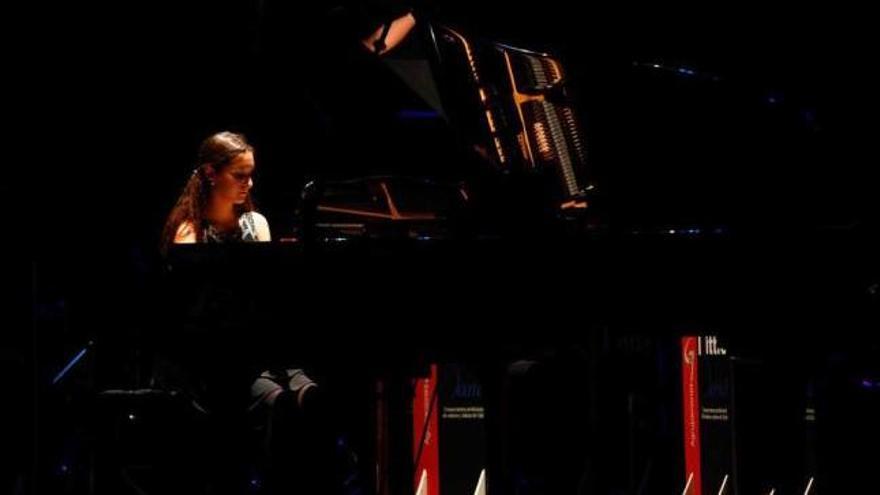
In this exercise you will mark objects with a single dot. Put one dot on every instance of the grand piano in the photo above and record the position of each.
(511, 217)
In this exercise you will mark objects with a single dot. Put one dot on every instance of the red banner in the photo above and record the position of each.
(691, 413)
(425, 439)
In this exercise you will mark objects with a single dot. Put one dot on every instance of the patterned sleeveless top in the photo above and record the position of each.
(245, 232)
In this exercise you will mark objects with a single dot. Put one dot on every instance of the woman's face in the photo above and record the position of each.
(234, 181)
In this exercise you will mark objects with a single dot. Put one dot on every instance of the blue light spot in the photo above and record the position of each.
(774, 98)
(411, 114)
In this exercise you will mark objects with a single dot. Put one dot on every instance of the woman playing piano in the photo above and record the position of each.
(216, 204)
(205, 360)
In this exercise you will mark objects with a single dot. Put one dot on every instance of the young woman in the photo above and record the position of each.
(216, 204)
(284, 403)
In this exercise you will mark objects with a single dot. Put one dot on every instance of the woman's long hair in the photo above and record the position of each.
(216, 151)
